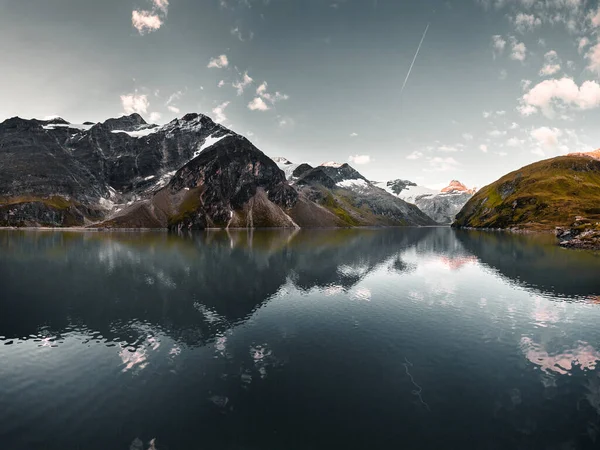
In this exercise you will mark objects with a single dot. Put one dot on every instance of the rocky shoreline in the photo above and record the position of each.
(582, 234)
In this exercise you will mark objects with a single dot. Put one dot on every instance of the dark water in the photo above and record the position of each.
(373, 339)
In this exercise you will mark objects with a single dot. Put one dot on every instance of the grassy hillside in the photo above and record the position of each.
(540, 196)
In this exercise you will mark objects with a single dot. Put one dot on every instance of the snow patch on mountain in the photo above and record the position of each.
(142, 132)
(355, 185)
(76, 126)
(209, 142)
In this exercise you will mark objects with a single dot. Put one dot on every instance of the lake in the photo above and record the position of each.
(417, 338)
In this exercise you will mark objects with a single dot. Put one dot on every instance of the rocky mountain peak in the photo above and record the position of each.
(332, 164)
(341, 172)
(125, 123)
(282, 160)
(456, 186)
(397, 186)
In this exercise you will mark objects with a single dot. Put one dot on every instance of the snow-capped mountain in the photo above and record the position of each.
(442, 206)
(190, 173)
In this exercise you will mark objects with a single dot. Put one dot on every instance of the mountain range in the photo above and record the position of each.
(190, 173)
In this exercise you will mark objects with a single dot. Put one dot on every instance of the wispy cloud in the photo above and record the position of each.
(360, 159)
(220, 62)
(441, 164)
(551, 64)
(240, 85)
(498, 45)
(414, 155)
(219, 112)
(265, 100)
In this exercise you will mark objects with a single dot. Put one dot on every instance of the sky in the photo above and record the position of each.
(496, 84)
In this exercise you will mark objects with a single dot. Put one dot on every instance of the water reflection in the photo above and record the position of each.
(172, 336)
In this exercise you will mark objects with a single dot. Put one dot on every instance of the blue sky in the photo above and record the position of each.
(497, 84)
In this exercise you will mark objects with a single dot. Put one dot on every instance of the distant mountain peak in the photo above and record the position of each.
(593, 154)
(127, 123)
(282, 160)
(332, 164)
(456, 186)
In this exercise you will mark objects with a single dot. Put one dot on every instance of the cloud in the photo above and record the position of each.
(570, 13)
(448, 148)
(490, 114)
(593, 56)
(265, 100)
(515, 142)
(551, 65)
(526, 110)
(582, 44)
(220, 62)
(258, 104)
(518, 50)
(503, 75)
(155, 117)
(440, 164)
(243, 83)
(145, 21)
(547, 138)
(262, 88)
(360, 159)
(221, 83)
(467, 136)
(562, 92)
(173, 109)
(498, 45)
(162, 5)
(353, 134)
(594, 17)
(238, 34)
(483, 148)
(219, 112)
(414, 155)
(173, 97)
(134, 103)
(526, 22)
(497, 133)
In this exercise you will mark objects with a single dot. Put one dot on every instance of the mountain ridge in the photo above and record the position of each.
(190, 173)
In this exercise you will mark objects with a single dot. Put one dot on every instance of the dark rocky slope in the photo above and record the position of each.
(188, 174)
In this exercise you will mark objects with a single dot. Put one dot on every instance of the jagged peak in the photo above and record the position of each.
(333, 164)
(281, 160)
(457, 186)
(124, 122)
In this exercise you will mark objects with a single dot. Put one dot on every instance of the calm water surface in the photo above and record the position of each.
(374, 339)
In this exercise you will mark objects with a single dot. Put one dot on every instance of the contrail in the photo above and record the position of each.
(414, 59)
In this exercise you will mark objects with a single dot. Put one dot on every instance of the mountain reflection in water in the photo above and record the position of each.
(417, 337)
